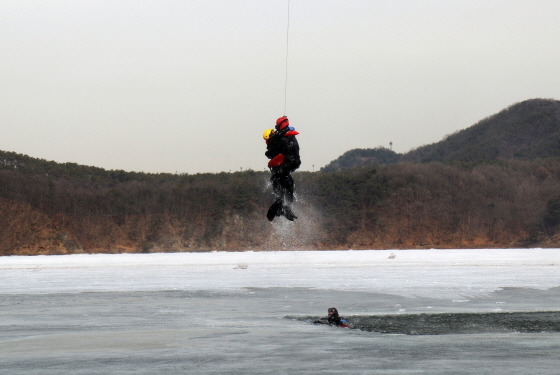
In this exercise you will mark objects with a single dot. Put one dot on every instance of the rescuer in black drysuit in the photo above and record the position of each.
(283, 151)
(332, 318)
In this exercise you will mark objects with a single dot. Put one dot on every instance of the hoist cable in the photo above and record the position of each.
(287, 49)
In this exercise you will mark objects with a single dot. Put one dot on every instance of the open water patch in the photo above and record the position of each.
(454, 323)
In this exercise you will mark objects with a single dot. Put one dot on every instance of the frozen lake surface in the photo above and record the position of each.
(245, 313)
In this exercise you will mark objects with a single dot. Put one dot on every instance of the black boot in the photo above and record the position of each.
(274, 210)
(288, 214)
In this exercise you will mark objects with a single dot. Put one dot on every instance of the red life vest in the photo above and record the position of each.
(276, 161)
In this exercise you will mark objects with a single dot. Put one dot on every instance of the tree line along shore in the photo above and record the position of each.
(494, 184)
(508, 203)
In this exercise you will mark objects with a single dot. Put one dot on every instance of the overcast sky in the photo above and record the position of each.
(189, 86)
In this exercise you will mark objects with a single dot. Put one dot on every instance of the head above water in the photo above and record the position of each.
(333, 311)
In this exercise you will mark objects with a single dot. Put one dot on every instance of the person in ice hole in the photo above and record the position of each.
(332, 318)
(282, 149)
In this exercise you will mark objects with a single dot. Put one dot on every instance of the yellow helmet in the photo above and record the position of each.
(268, 133)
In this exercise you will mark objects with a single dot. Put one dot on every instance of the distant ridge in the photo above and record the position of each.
(525, 130)
(360, 157)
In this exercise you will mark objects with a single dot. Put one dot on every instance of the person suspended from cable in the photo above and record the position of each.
(282, 149)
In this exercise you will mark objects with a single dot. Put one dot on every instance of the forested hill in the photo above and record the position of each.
(526, 130)
(50, 208)
(502, 190)
(361, 157)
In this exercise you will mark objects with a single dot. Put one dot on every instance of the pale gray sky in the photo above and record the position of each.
(189, 86)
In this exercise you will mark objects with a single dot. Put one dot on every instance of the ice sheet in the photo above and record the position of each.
(241, 313)
(449, 274)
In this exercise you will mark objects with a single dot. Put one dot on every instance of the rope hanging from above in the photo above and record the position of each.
(287, 49)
